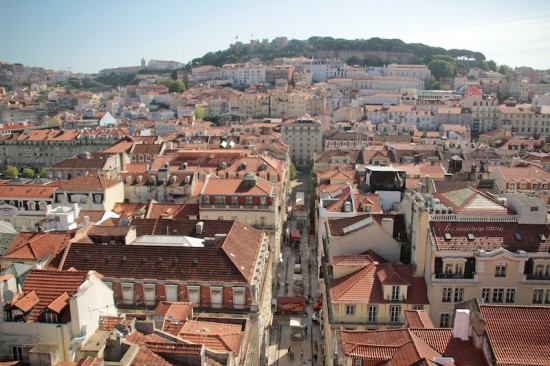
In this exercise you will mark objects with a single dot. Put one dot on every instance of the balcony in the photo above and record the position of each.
(539, 277)
(378, 321)
(454, 278)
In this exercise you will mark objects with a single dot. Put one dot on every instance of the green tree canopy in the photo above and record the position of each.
(504, 69)
(43, 172)
(176, 87)
(27, 173)
(292, 170)
(440, 68)
(492, 65)
(11, 172)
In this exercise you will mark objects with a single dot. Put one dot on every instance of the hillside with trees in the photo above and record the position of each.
(370, 52)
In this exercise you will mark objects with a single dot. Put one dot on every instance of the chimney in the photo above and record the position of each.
(86, 221)
(199, 227)
(426, 183)
(387, 225)
(448, 177)
(462, 324)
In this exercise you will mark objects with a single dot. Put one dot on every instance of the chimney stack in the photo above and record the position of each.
(462, 324)
(199, 227)
(387, 225)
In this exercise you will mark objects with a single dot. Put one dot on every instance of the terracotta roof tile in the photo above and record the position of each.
(417, 319)
(59, 304)
(49, 286)
(490, 236)
(86, 183)
(37, 245)
(519, 335)
(27, 191)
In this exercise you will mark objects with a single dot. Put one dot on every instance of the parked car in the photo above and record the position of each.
(297, 258)
(297, 268)
(316, 317)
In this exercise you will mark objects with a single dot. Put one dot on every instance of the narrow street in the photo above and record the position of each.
(294, 284)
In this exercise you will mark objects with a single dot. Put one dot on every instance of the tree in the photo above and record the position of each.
(440, 68)
(431, 84)
(354, 60)
(43, 172)
(292, 170)
(176, 87)
(492, 65)
(504, 69)
(11, 172)
(27, 173)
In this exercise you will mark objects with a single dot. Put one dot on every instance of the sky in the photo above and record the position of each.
(87, 36)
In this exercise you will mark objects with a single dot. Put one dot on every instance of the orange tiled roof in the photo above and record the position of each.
(519, 335)
(49, 286)
(418, 319)
(86, 183)
(33, 245)
(27, 191)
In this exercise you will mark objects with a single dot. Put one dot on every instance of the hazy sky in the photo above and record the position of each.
(91, 35)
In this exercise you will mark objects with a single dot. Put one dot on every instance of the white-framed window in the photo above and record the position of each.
(395, 293)
(373, 311)
(447, 294)
(395, 311)
(418, 307)
(248, 200)
(97, 198)
(500, 269)
(149, 294)
(220, 200)
(16, 352)
(216, 297)
(459, 268)
(538, 293)
(486, 295)
(510, 295)
(512, 185)
(194, 294)
(263, 201)
(51, 317)
(206, 200)
(171, 292)
(459, 294)
(444, 320)
(358, 362)
(239, 298)
(448, 268)
(523, 185)
(350, 309)
(128, 293)
(498, 295)
(234, 200)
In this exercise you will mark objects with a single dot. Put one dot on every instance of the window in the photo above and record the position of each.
(128, 293)
(17, 352)
(547, 297)
(206, 200)
(358, 362)
(194, 294)
(216, 297)
(350, 309)
(486, 295)
(149, 294)
(51, 318)
(500, 269)
(510, 295)
(372, 313)
(537, 296)
(459, 268)
(249, 200)
(459, 294)
(444, 320)
(234, 200)
(97, 198)
(447, 293)
(448, 268)
(171, 292)
(238, 297)
(394, 293)
(512, 185)
(539, 268)
(394, 313)
(418, 307)
(220, 200)
(263, 201)
(498, 295)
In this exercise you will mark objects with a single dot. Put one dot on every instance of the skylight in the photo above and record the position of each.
(542, 237)
(448, 236)
(518, 236)
(471, 236)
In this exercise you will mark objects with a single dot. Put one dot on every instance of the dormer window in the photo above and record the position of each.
(248, 200)
(220, 200)
(206, 200)
(263, 201)
(51, 317)
(395, 292)
(234, 200)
